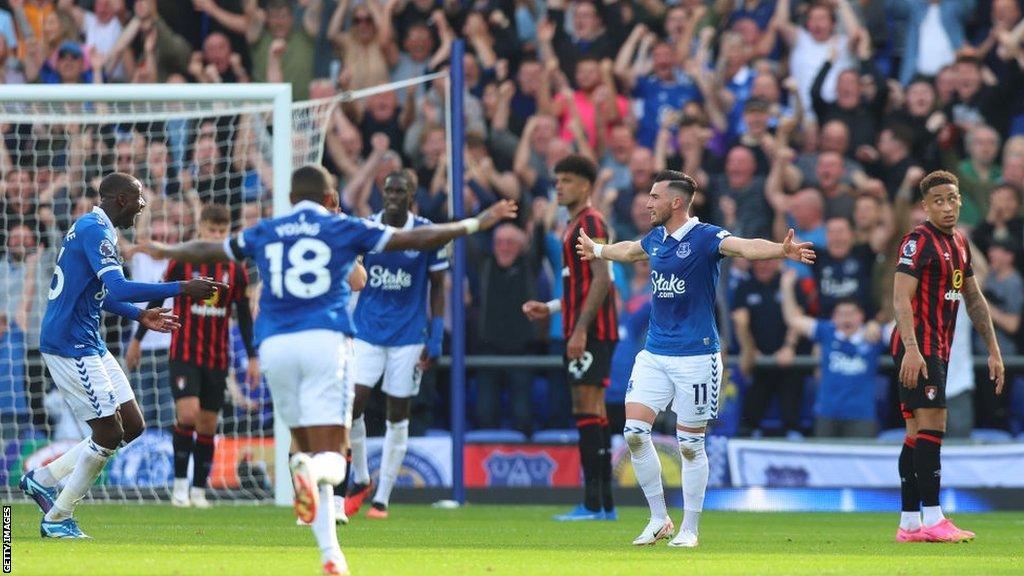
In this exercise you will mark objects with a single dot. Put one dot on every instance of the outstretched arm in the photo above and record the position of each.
(437, 235)
(627, 251)
(192, 252)
(977, 309)
(760, 249)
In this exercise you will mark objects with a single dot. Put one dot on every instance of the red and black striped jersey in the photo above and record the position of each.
(203, 336)
(941, 262)
(577, 277)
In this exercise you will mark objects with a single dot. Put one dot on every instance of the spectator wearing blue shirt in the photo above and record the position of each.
(663, 90)
(844, 269)
(69, 67)
(849, 351)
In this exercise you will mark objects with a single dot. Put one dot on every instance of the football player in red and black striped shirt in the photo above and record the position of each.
(933, 274)
(591, 329)
(200, 355)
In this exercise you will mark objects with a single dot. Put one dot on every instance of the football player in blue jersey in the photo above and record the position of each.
(680, 364)
(394, 340)
(304, 329)
(88, 277)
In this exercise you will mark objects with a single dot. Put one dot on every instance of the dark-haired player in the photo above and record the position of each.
(304, 330)
(933, 274)
(680, 364)
(89, 277)
(199, 358)
(590, 327)
(396, 338)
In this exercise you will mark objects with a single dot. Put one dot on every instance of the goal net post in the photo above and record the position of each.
(189, 144)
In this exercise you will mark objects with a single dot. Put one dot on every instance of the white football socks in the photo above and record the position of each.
(396, 440)
(646, 465)
(910, 520)
(695, 477)
(51, 474)
(90, 463)
(932, 515)
(328, 468)
(324, 529)
(357, 442)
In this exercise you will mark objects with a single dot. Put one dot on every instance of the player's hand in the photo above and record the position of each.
(585, 246)
(798, 251)
(425, 362)
(498, 212)
(535, 310)
(576, 345)
(158, 320)
(996, 371)
(133, 354)
(912, 367)
(253, 376)
(201, 288)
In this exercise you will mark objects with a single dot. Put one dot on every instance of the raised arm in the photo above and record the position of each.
(977, 309)
(760, 249)
(237, 23)
(626, 251)
(437, 235)
(791, 312)
(782, 22)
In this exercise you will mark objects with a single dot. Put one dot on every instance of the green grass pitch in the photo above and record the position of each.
(492, 540)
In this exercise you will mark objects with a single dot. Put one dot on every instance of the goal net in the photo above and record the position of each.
(189, 145)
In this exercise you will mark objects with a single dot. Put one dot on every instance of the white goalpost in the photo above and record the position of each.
(189, 144)
(57, 142)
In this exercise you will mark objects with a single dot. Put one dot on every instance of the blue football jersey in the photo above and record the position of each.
(304, 259)
(684, 275)
(849, 365)
(392, 307)
(71, 325)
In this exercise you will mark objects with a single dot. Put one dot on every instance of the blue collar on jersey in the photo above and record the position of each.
(681, 232)
(409, 219)
(309, 205)
(103, 216)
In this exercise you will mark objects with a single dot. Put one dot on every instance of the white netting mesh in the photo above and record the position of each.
(52, 156)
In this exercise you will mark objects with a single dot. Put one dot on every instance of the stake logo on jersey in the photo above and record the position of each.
(683, 277)
(71, 325)
(392, 307)
(304, 259)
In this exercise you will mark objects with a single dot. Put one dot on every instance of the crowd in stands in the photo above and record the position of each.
(820, 116)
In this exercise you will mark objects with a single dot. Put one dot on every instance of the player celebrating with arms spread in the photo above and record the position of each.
(680, 363)
(590, 327)
(391, 323)
(89, 277)
(933, 273)
(303, 330)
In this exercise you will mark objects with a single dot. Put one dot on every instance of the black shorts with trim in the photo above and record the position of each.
(594, 368)
(208, 384)
(929, 393)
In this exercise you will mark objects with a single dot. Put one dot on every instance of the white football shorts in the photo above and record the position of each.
(93, 386)
(688, 384)
(309, 374)
(398, 364)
